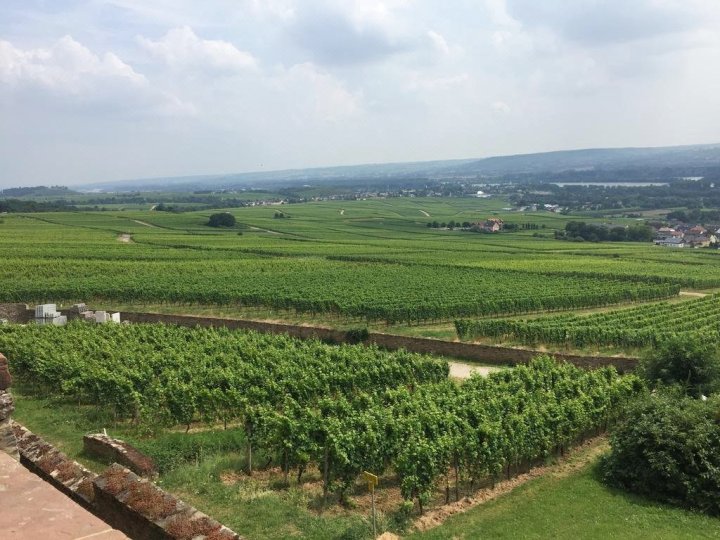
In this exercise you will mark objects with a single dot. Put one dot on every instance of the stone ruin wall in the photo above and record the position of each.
(8, 443)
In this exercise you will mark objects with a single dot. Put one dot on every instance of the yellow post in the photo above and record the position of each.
(372, 481)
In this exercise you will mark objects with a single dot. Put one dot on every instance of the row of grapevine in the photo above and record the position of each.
(638, 327)
(373, 291)
(343, 409)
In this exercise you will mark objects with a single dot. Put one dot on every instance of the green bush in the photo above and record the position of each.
(666, 448)
(684, 361)
(357, 335)
(223, 219)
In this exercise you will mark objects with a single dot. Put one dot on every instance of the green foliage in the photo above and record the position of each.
(691, 362)
(222, 219)
(172, 375)
(666, 448)
(579, 230)
(357, 335)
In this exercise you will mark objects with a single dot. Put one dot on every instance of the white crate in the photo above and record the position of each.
(46, 310)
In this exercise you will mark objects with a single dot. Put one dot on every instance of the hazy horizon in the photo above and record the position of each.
(106, 90)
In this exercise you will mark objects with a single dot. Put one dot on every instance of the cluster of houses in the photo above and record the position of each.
(48, 314)
(555, 208)
(682, 236)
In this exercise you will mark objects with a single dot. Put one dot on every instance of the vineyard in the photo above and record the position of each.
(339, 410)
(368, 267)
(639, 327)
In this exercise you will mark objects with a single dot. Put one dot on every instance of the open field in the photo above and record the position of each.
(570, 506)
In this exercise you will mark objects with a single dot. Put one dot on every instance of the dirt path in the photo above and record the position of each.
(697, 294)
(459, 370)
(424, 213)
(263, 230)
(125, 238)
(145, 223)
(579, 458)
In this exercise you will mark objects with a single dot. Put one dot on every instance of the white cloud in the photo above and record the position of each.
(70, 74)
(181, 48)
(66, 66)
(439, 41)
(313, 95)
(351, 31)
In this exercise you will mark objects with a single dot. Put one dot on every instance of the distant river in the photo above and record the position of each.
(611, 184)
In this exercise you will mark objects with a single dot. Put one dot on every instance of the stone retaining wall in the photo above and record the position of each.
(66, 475)
(143, 511)
(117, 451)
(487, 354)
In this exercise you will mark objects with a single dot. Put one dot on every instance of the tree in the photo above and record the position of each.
(686, 361)
(223, 219)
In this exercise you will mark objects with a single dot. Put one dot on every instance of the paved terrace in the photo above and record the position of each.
(31, 509)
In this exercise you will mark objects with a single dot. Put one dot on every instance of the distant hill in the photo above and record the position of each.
(667, 160)
(707, 155)
(36, 192)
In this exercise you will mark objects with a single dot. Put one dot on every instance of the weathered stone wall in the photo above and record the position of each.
(115, 450)
(8, 444)
(487, 354)
(145, 512)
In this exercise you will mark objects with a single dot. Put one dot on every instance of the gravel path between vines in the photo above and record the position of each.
(424, 213)
(458, 370)
(581, 456)
(698, 294)
(145, 223)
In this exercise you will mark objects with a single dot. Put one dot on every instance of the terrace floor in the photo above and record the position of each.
(32, 509)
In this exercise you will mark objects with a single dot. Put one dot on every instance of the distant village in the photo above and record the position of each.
(681, 236)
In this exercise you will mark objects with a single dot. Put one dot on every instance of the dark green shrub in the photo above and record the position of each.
(666, 448)
(223, 219)
(357, 335)
(683, 361)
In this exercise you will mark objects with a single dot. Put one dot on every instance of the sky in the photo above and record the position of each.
(101, 90)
